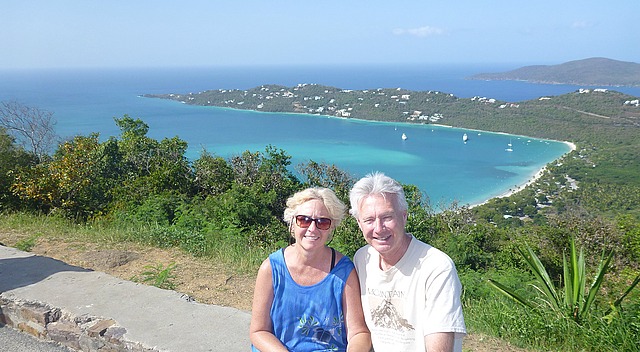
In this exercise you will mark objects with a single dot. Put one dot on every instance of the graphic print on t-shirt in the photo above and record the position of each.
(386, 315)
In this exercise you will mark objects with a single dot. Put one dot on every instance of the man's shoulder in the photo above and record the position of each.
(362, 255)
(362, 252)
(429, 253)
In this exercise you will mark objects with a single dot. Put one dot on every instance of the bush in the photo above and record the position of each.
(347, 238)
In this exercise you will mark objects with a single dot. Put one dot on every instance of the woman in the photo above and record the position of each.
(307, 295)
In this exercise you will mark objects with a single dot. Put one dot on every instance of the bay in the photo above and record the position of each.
(434, 158)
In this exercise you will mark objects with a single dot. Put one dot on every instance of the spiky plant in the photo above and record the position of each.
(574, 300)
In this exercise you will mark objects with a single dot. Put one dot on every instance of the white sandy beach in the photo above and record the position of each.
(529, 182)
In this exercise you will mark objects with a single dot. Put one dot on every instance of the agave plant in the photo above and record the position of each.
(575, 299)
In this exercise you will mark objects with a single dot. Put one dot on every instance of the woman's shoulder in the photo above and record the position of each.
(265, 265)
(273, 258)
(340, 255)
(343, 261)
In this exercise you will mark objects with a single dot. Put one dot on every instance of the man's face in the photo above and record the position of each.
(381, 224)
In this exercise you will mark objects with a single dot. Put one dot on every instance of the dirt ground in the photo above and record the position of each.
(204, 280)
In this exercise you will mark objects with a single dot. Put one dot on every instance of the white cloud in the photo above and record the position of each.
(425, 31)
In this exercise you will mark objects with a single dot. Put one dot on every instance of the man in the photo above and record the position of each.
(410, 290)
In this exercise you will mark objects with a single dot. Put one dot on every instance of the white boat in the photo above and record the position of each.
(404, 137)
(509, 145)
(465, 137)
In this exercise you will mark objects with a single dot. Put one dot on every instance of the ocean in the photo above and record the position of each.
(433, 158)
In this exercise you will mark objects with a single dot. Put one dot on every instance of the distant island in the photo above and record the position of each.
(402, 105)
(596, 71)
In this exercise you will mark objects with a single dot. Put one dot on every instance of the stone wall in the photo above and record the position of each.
(80, 333)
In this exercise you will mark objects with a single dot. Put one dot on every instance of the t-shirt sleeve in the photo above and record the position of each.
(443, 308)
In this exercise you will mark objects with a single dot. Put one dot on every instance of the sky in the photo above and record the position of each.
(199, 33)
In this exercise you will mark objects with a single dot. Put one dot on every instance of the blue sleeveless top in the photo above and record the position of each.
(309, 318)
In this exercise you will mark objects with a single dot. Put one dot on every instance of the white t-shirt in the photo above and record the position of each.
(418, 296)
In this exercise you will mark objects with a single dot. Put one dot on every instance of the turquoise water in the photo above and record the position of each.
(434, 158)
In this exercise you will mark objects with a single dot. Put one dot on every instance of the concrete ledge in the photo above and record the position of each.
(92, 311)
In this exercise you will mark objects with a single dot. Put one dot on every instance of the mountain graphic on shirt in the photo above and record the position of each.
(386, 315)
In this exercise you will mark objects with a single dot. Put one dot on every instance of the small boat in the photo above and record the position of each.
(465, 137)
(404, 137)
(509, 145)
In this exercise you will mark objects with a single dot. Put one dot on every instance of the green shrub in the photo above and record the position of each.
(159, 276)
(158, 209)
(347, 238)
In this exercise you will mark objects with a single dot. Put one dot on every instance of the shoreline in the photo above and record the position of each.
(535, 177)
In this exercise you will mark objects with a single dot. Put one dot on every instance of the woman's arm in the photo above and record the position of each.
(261, 329)
(358, 335)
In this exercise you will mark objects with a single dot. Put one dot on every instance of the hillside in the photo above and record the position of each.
(591, 72)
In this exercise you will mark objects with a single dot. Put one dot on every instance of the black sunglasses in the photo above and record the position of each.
(305, 221)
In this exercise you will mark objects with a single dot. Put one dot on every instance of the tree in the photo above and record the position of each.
(151, 166)
(12, 157)
(33, 128)
(77, 180)
(213, 176)
(266, 173)
(325, 175)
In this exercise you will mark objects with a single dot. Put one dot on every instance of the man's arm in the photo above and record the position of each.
(439, 342)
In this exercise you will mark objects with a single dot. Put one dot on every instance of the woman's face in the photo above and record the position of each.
(312, 227)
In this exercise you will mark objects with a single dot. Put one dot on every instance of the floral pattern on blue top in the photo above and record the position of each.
(327, 334)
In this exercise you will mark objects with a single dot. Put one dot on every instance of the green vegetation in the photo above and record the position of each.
(575, 300)
(134, 189)
(159, 276)
(27, 244)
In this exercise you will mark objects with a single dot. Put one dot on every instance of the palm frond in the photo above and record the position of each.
(539, 271)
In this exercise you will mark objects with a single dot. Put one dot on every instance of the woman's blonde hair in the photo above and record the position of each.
(337, 210)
